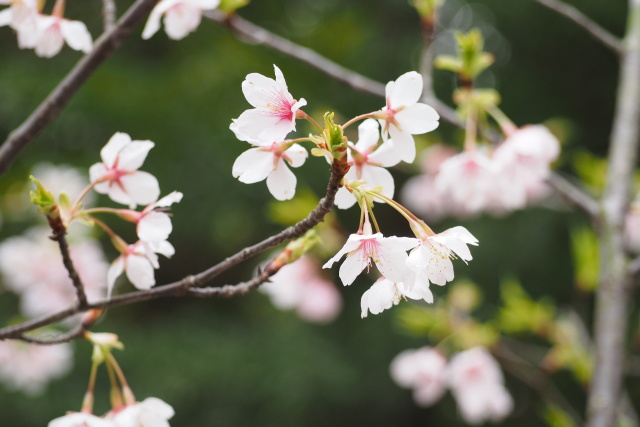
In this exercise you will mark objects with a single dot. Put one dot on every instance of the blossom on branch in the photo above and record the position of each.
(268, 162)
(54, 31)
(118, 174)
(403, 116)
(152, 223)
(369, 163)
(424, 371)
(274, 115)
(181, 17)
(151, 412)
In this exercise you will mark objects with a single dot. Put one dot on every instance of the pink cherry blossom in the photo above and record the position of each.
(151, 412)
(477, 384)
(424, 371)
(53, 31)
(403, 116)
(80, 419)
(300, 286)
(32, 267)
(138, 262)
(152, 223)
(388, 253)
(274, 115)
(181, 17)
(259, 163)
(368, 163)
(28, 368)
(118, 174)
(430, 261)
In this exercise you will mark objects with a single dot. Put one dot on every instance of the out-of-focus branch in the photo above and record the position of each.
(536, 380)
(188, 285)
(252, 33)
(612, 298)
(109, 14)
(591, 27)
(573, 194)
(52, 106)
(54, 338)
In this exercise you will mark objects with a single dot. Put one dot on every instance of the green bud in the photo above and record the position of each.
(42, 197)
(302, 245)
(230, 6)
(336, 142)
(426, 8)
(471, 59)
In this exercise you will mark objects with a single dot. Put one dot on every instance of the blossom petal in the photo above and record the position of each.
(376, 176)
(386, 155)
(344, 199)
(109, 152)
(132, 156)
(368, 135)
(254, 125)
(168, 200)
(352, 267)
(5, 17)
(140, 272)
(259, 90)
(296, 155)
(155, 226)
(404, 143)
(282, 182)
(76, 35)
(115, 270)
(417, 119)
(142, 187)
(97, 171)
(182, 20)
(253, 165)
(379, 297)
(406, 90)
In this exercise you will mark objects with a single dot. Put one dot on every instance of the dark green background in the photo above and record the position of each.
(241, 362)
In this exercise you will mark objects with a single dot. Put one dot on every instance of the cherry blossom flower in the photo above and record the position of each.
(403, 116)
(118, 174)
(138, 262)
(300, 286)
(80, 419)
(368, 165)
(22, 16)
(477, 384)
(32, 267)
(388, 253)
(431, 259)
(181, 17)
(274, 115)
(259, 163)
(382, 295)
(151, 412)
(53, 31)
(29, 368)
(424, 371)
(152, 224)
(469, 181)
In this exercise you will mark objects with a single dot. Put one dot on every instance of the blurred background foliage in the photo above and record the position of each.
(242, 362)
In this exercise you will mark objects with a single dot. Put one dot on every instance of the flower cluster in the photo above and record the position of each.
(299, 285)
(44, 33)
(473, 376)
(477, 180)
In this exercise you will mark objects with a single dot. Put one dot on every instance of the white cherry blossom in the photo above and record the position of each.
(28, 368)
(80, 419)
(274, 115)
(368, 163)
(181, 17)
(477, 384)
(388, 253)
(22, 16)
(151, 412)
(430, 261)
(382, 295)
(53, 31)
(403, 116)
(152, 223)
(118, 174)
(300, 286)
(268, 162)
(424, 371)
(138, 262)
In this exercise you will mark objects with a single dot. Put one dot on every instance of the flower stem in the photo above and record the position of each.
(355, 119)
(507, 126)
(82, 195)
(310, 119)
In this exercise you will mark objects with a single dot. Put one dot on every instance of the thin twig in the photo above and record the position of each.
(613, 293)
(52, 106)
(54, 338)
(109, 14)
(187, 286)
(60, 237)
(591, 27)
(573, 194)
(252, 33)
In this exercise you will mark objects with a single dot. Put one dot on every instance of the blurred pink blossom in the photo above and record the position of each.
(424, 371)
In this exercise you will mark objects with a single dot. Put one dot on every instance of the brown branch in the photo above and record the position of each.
(109, 14)
(59, 235)
(252, 33)
(591, 27)
(188, 285)
(613, 293)
(52, 106)
(54, 338)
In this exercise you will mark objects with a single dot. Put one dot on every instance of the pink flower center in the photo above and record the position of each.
(278, 106)
(370, 248)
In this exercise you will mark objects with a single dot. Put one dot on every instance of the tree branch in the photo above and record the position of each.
(252, 33)
(59, 236)
(573, 194)
(591, 27)
(611, 314)
(52, 106)
(188, 285)
(109, 14)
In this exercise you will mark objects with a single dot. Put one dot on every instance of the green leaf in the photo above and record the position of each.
(42, 197)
